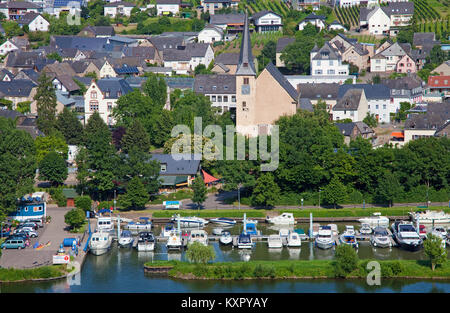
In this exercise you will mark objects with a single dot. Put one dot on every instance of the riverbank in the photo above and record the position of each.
(43, 273)
(295, 269)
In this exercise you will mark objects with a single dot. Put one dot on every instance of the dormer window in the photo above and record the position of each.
(245, 64)
(163, 167)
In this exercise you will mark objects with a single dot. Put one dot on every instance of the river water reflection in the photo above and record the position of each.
(121, 270)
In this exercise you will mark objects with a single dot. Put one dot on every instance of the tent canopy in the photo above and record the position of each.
(208, 178)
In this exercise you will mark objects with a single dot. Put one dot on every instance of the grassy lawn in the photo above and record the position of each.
(299, 269)
(12, 275)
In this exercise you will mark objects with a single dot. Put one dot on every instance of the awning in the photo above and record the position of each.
(207, 178)
(397, 134)
(173, 180)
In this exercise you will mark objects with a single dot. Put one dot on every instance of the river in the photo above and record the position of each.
(121, 270)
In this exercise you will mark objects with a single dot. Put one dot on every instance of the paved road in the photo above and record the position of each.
(53, 232)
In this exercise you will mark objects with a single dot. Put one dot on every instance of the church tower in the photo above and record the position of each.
(246, 87)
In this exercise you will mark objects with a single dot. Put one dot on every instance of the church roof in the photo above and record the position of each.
(245, 65)
(276, 74)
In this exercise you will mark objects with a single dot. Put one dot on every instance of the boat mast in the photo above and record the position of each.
(245, 223)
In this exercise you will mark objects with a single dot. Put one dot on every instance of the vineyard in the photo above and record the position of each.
(348, 15)
(277, 6)
(428, 19)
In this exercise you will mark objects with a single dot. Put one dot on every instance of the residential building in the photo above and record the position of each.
(316, 20)
(232, 23)
(165, 7)
(353, 105)
(211, 6)
(267, 21)
(15, 10)
(118, 8)
(17, 91)
(102, 96)
(353, 130)
(404, 89)
(388, 59)
(221, 90)
(406, 65)
(327, 93)
(34, 21)
(353, 52)
(422, 39)
(177, 169)
(439, 84)
(327, 61)
(185, 59)
(387, 19)
(210, 34)
(442, 70)
(227, 62)
(335, 25)
(97, 31)
(282, 43)
(302, 4)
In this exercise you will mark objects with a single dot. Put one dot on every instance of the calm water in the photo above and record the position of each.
(121, 270)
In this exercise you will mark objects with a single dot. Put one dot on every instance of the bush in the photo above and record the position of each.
(58, 196)
(346, 260)
(198, 253)
(83, 202)
(75, 218)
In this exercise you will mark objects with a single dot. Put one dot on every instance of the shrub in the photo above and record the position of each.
(74, 218)
(83, 202)
(58, 196)
(346, 260)
(198, 253)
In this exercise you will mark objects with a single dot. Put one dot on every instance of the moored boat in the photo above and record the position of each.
(406, 236)
(223, 221)
(146, 241)
(380, 238)
(126, 239)
(245, 241)
(375, 220)
(348, 237)
(190, 221)
(293, 240)
(283, 219)
(274, 241)
(365, 229)
(143, 224)
(431, 217)
(226, 238)
(198, 235)
(100, 242)
(324, 238)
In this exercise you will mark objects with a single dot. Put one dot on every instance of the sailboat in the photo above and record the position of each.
(174, 241)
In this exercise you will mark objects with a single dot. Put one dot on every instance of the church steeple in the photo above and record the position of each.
(245, 65)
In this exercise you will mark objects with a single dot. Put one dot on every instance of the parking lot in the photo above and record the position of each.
(52, 233)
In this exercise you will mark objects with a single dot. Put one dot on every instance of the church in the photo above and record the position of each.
(260, 99)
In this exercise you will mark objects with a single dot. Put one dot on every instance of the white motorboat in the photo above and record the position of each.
(217, 231)
(190, 221)
(283, 219)
(431, 217)
(284, 233)
(126, 239)
(375, 220)
(380, 238)
(225, 238)
(223, 221)
(348, 237)
(174, 241)
(167, 229)
(365, 229)
(245, 241)
(324, 238)
(105, 224)
(294, 240)
(143, 224)
(441, 233)
(198, 235)
(100, 242)
(274, 241)
(406, 236)
(146, 241)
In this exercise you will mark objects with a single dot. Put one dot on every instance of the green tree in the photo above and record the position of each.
(54, 142)
(388, 188)
(335, 192)
(370, 120)
(155, 87)
(135, 137)
(17, 165)
(268, 54)
(435, 251)
(198, 253)
(75, 218)
(266, 191)
(83, 202)
(53, 168)
(136, 195)
(23, 107)
(54, 56)
(46, 104)
(70, 126)
(200, 191)
(346, 260)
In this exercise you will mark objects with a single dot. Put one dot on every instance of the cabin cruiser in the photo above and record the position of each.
(198, 235)
(274, 241)
(406, 236)
(375, 220)
(283, 219)
(431, 217)
(245, 241)
(380, 238)
(441, 233)
(100, 242)
(223, 221)
(225, 238)
(167, 229)
(217, 231)
(126, 239)
(105, 224)
(250, 228)
(284, 233)
(324, 238)
(293, 240)
(190, 221)
(365, 229)
(146, 241)
(348, 237)
(142, 224)
(301, 233)
(174, 241)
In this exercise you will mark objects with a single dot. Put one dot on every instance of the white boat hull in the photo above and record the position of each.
(375, 222)
(381, 244)
(324, 244)
(125, 242)
(226, 241)
(98, 251)
(145, 246)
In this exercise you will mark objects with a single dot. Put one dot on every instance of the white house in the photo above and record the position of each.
(267, 21)
(327, 61)
(107, 70)
(335, 25)
(185, 59)
(387, 60)
(102, 96)
(378, 21)
(210, 34)
(7, 47)
(164, 7)
(118, 8)
(35, 22)
(316, 20)
(353, 105)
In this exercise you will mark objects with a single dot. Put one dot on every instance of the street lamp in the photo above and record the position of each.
(302, 203)
(319, 196)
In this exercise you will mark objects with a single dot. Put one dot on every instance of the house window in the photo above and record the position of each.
(93, 105)
(109, 106)
(93, 94)
(244, 106)
(225, 98)
(213, 98)
(233, 98)
(219, 98)
(376, 106)
(246, 81)
(384, 106)
(163, 168)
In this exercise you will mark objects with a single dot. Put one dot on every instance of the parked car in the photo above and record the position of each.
(22, 229)
(37, 221)
(14, 243)
(32, 226)
(29, 233)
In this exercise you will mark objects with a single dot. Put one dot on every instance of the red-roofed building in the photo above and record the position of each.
(440, 84)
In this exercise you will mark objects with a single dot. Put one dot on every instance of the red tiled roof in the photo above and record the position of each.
(439, 81)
